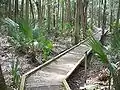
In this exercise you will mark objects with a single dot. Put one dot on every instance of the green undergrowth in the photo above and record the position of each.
(28, 38)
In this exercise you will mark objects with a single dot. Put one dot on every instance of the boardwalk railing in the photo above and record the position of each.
(65, 83)
(24, 76)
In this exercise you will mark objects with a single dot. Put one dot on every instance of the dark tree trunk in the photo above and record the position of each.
(10, 9)
(39, 9)
(111, 15)
(31, 7)
(104, 18)
(48, 15)
(77, 23)
(16, 9)
(27, 11)
(99, 15)
(22, 8)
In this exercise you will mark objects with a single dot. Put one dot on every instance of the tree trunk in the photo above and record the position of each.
(10, 9)
(111, 14)
(6, 8)
(77, 22)
(16, 9)
(83, 12)
(48, 15)
(92, 16)
(99, 15)
(104, 18)
(54, 14)
(27, 11)
(31, 7)
(39, 8)
(2, 81)
(22, 8)
(68, 10)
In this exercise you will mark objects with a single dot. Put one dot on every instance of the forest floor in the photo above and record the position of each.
(76, 80)
(97, 75)
(8, 54)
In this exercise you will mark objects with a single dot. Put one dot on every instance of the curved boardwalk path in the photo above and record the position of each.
(50, 76)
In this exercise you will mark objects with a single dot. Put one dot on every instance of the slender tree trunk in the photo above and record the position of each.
(10, 9)
(77, 22)
(31, 7)
(99, 15)
(58, 15)
(2, 81)
(6, 8)
(68, 11)
(22, 8)
(83, 11)
(85, 16)
(74, 13)
(48, 15)
(111, 14)
(58, 7)
(82, 17)
(54, 13)
(43, 9)
(39, 8)
(104, 18)
(16, 9)
(92, 16)
(27, 11)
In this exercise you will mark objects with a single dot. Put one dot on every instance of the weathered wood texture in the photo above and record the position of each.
(50, 76)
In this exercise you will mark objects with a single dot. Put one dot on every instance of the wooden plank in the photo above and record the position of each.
(49, 61)
(22, 84)
(56, 57)
(46, 63)
(53, 59)
(66, 86)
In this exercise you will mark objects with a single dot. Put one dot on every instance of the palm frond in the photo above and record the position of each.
(26, 29)
(98, 49)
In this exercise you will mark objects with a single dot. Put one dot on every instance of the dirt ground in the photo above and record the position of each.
(8, 54)
(97, 76)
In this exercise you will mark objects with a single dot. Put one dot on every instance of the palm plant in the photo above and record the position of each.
(102, 52)
(24, 35)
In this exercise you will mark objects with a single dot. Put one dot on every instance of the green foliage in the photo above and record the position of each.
(25, 35)
(15, 73)
(115, 38)
(26, 29)
(68, 26)
(18, 37)
(45, 44)
(47, 49)
(98, 48)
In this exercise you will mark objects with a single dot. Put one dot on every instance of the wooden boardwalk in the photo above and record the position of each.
(50, 76)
